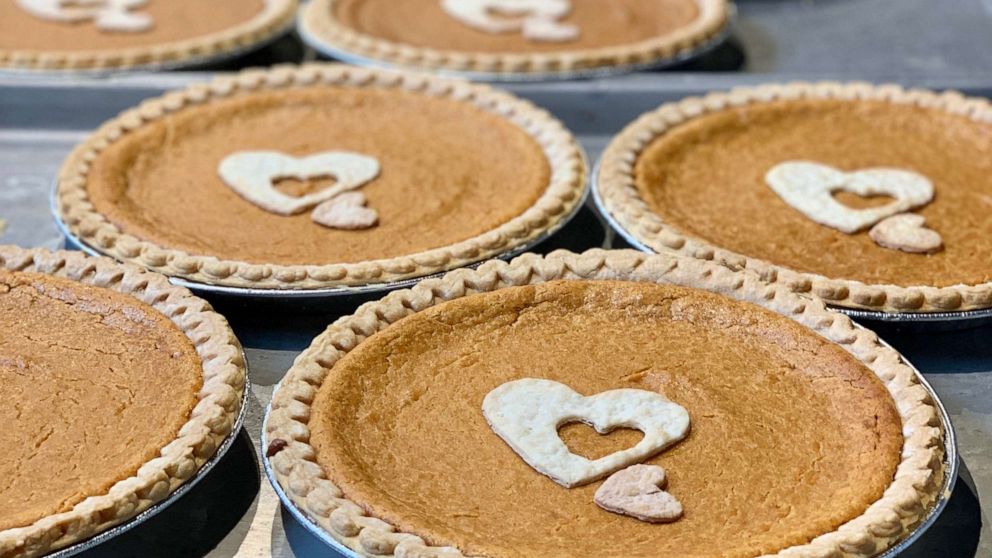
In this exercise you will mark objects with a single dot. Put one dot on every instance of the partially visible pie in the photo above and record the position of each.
(418, 426)
(871, 197)
(321, 176)
(514, 36)
(118, 388)
(118, 34)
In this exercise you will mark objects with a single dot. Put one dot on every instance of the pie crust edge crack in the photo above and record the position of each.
(276, 17)
(224, 382)
(565, 192)
(919, 475)
(620, 198)
(317, 20)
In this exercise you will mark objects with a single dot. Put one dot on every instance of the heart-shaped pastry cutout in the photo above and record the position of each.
(527, 414)
(908, 233)
(253, 175)
(346, 211)
(537, 20)
(638, 491)
(809, 188)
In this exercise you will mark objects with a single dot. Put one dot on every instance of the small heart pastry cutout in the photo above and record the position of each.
(346, 211)
(809, 187)
(907, 232)
(253, 175)
(527, 414)
(638, 491)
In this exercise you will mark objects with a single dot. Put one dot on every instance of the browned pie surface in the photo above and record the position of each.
(175, 20)
(790, 436)
(706, 178)
(449, 172)
(602, 23)
(94, 383)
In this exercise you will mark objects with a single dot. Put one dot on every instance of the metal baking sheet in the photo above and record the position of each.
(950, 464)
(94, 541)
(328, 50)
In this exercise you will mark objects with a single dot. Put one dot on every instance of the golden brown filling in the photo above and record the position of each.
(175, 20)
(602, 23)
(790, 435)
(95, 384)
(706, 179)
(450, 172)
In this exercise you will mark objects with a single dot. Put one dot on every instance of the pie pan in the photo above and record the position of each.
(328, 50)
(284, 418)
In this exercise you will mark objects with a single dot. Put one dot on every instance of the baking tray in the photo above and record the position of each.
(328, 50)
(910, 321)
(94, 541)
(951, 464)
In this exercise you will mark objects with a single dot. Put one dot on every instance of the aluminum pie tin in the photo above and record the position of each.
(949, 466)
(190, 63)
(317, 295)
(156, 508)
(916, 320)
(331, 51)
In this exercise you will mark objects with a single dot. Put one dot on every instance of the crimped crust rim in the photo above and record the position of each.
(276, 17)
(564, 193)
(212, 419)
(916, 485)
(621, 199)
(318, 21)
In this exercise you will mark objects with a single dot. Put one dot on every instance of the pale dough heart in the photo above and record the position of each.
(638, 491)
(809, 187)
(527, 414)
(252, 174)
(536, 20)
(907, 233)
(346, 211)
(108, 15)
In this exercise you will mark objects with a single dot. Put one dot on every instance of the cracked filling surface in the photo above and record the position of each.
(94, 384)
(706, 178)
(791, 436)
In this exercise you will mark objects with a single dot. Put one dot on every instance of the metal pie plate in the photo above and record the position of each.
(156, 508)
(950, 466)
(331, 51)
(915, 320)
(315, 295)
(190, 63)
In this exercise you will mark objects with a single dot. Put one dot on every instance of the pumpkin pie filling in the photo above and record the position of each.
(450, 172)
(790, 435)
(174, 21)
(96, 384)
(424, 23)
(706, 179)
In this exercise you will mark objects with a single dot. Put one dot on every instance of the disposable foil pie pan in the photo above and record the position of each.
(949, 468)
(328, 50)
(94, 541)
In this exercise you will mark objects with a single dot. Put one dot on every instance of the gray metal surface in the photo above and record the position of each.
(40, 121)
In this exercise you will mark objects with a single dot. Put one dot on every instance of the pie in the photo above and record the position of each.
(807, 436)
(90, 349)
(120, 34)
(871, 197)
(514, 37)
(225, 183)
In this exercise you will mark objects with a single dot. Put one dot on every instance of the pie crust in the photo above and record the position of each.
(317, 20)
(615, 186)
(275, 18)
(211, 421)
(918, 476)
(563, 195)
